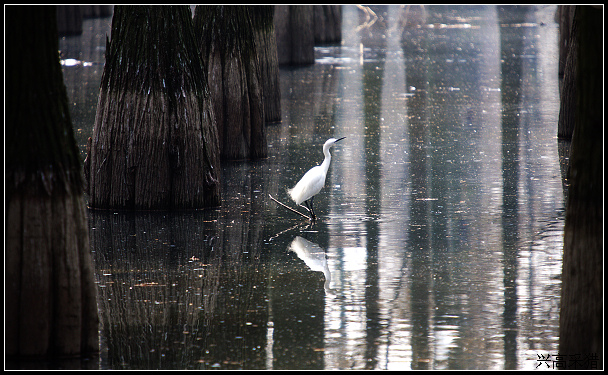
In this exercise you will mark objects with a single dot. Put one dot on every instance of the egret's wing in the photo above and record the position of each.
(310, 185)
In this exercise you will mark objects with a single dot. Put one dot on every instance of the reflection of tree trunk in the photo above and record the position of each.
(154, 144)
(181, 288)
(418, 75)
(511, 47)
(581, 316)
(51, 305)
(227, 40)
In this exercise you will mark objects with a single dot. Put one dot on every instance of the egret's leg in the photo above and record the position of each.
(312, 210)
(306, 206)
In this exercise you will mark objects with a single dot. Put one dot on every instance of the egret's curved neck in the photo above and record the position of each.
(327, 159)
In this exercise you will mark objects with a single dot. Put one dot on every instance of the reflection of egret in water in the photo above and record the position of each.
(314, 257)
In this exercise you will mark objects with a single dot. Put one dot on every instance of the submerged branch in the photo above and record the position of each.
(289, 208)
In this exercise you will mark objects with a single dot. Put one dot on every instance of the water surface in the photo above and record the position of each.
(439, 239)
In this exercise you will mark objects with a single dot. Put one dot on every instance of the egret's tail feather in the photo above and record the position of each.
(294, 193)
(290, 192)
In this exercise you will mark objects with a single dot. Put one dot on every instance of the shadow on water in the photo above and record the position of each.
(438, 243)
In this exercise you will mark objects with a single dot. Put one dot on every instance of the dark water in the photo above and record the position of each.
(439, 240)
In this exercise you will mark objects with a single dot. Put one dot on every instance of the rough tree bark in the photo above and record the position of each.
(154, 143)
(228, 50)
(51, 307)
(69, 20)
(328, 23)
(581, 312)
(294, 27)
(564, 16)
(266, 45)
(568, 51)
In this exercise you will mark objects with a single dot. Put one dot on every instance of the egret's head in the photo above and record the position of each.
(331, 141)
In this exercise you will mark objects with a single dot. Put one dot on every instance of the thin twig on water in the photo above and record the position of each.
(289, 208)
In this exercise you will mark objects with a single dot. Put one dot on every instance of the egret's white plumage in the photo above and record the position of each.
(312, 182)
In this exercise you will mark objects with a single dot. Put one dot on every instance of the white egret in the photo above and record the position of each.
(312, 182)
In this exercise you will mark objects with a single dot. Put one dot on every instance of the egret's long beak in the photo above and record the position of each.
(339, 139)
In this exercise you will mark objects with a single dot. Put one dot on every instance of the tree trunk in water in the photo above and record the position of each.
(564, 16)
(294, 27)
(228, 49)
(94, 11)
(69, 20)
(565, 125)
(51, 307)
(328, 23)
(266, 45)
(581, 313)
(154, 143)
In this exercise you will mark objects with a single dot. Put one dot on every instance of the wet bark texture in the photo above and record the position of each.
(154, 143)
(266, 45)
(228, 50)
(69, 19)
(568, 46)
(328, 23)
(51, 307)
(294, 25)
(581, 312)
